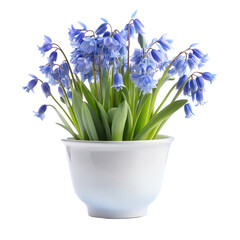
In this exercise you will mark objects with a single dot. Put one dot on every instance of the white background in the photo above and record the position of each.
(200, 198)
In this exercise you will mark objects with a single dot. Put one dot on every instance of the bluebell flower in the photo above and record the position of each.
(193, 85)
(46, 89)
(165, 43)
(118, 81)
(157, 56)
(112, 44)
(83, 26)
(192, 61)
(200, 83)
(144, 82)
(101, 29)
(203, 61)
(60, 91)
(52, 57)
(188, 110)
(119, 38)
(197, 53)
(132, 31)
(88, 45)
(138, 26)
(54, 77)
(47, 45)
(83, 65)
(187, 89)
(69, 94)
(199, 97)
(181, 81)
(137, 56)
(208, 76)
(41, 112)
(31, 84)
(73, 33)
(106, 34)
(46, 69)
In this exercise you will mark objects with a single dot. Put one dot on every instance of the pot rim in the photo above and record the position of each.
(160, 138)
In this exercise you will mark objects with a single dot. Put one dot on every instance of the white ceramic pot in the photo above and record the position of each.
(117, 179)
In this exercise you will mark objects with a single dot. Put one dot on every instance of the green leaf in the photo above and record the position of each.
(88, 123)
(66, 125)
(89, 97)
(143, 116)
(129, 124)
(105, 121)
(159, 118)
(118, 122)
(77, 105)
(75, 136)
(111, 113)
(98, 124)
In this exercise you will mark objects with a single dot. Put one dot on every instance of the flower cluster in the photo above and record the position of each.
(102, 57)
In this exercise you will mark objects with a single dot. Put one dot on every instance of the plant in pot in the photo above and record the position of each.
(108, 106)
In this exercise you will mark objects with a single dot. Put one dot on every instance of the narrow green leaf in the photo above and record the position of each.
(88, 123)
(65, 123)
(75, 136)
(129, 124)
(118, 122)
(111, 113)
(105, 121)
(77, 105)
(98, 124)
(159, 118)
(143, 116)
(89, 97)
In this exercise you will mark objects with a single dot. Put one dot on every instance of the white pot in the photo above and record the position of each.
(117, 179)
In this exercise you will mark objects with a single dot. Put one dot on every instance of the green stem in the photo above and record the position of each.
(164, 100)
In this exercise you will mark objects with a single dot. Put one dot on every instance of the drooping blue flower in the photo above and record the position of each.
(41, 112)
(157, 56)
(193, 85)
(60, 91)
(187, 89)
(88, 45)
(144, 82)
(106, 34)
(46, 89)
(31, 84)
(125, 33)
(101, 29)
(199, 97)
(69, 94)
(200, 83)
(46, 69)
(137, 56)
(197, 53)
(83, 66)
(83, 25)
(188, 110)
(52, 57)
(111, 44)
(203, 61)
(119, 38)
(138, 26)
(165, 43)
(47, 45)
(118, 81)
(181, 81)
(208, 76)
(192, 61)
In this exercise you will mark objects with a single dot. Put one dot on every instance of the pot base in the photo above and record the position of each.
(113, 214)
